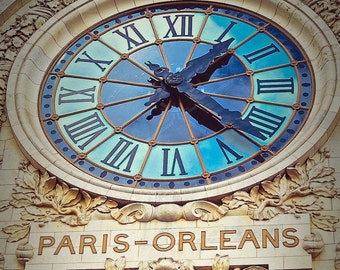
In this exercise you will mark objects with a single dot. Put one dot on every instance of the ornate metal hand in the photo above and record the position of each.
(200, 69)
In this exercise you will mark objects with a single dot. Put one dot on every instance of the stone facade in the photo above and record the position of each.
(34, 204)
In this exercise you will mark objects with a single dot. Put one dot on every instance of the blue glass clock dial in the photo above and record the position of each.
(175, 96)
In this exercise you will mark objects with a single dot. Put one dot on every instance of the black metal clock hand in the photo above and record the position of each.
(201, 64)
(196, 66)
(227, 117)
(182, 82)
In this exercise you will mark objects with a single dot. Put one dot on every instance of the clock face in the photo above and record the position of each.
(176, 96)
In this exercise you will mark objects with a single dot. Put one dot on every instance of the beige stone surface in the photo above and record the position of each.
(328, 135)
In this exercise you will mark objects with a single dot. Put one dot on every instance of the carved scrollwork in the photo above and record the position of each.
(313, 243)
(166, 264)
(203, 210)
(329, 11)
(44, 199)
(337, 257)
(298, 191)
(14, 37)
(118, 264)
(221, 262)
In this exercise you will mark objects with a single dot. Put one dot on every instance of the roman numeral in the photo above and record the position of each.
(185, 26)
(75, 96)
(261, 53)
(85, 130)
(275, 86)
(228, 153)
(231, 25)
(97, 62)
(265, 122)
(176, 162)
(129, 31)
(122, 154)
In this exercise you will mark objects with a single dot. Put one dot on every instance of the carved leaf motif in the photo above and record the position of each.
(4, 205)
(305, 201)
(48, 184)
(74, 220)
(297, 191)
(97, 201)
(86, 199)
(70, 197)
(265, 214)
(276, 188)
(34, 210)
(324, 222)
(243, 196)
(17, 232)
(324, 191)
(18, 203)
(106, 207)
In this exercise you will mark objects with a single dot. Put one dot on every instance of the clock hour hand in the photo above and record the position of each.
(200, 64)
(216, 64)
(159, 94)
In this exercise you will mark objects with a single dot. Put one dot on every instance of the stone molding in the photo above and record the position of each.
(44, 199)
(329, 11)
(337, 257)
(313, 243)
(219, 263)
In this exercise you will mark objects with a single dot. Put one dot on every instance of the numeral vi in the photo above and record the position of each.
(173, 163)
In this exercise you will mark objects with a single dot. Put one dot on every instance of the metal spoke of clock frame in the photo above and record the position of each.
(125, 57)
(260, 29)
(119, 129)
(101, 106)
(130, 83)
(252, 100)
(194, 141)
(158, 41)
(197, 39)
(153, 141)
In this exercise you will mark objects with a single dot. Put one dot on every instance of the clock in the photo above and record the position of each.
(176, 96)
(167, 102)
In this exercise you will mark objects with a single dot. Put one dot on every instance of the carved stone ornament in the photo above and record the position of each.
(329, 11)
(313, 243)
(337, 257)
(219, 263)
(24, 253)
(43, 198)
(118, 264)
(166, 264)
(14, 37)
(2, 261)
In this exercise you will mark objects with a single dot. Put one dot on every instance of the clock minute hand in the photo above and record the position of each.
(226, 116)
